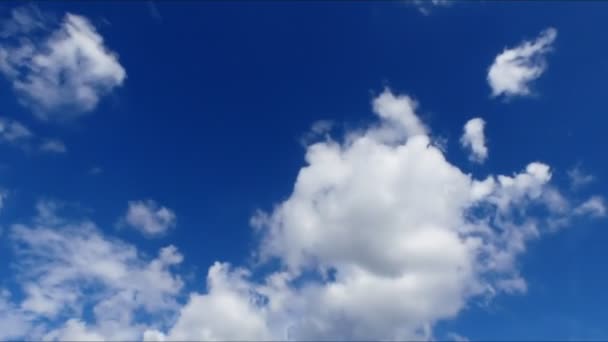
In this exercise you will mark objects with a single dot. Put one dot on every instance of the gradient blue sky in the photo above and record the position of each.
(217, 97)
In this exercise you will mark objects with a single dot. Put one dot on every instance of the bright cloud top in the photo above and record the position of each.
(474, 139)
(62, 73)
(381, 238)
(149, 218)
(515, 68)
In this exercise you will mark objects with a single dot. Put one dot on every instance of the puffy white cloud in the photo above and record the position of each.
(474, 139)
(384, 219)
(59, 73)
(398, 117)
(381, 238)
(149, 218)
(227, 312)
(514, 68)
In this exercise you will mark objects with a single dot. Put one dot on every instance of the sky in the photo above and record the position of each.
(403, 170)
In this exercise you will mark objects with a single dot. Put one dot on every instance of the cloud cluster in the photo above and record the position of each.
(381, 238)
(67, 267)
(514, 68)
(59, 71)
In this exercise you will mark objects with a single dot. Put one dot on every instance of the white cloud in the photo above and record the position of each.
(14, 132)
(397, 116)
(215, 316)
(382, 213)
(13, 323)
(514, 68)
(381, 238)
(149, 218)
(474, 139)
(60, 74)
(594, 206)
(73, 330)
(394, 218)
(54, 146)
(22, 20)
(68, 266)
(425, 6)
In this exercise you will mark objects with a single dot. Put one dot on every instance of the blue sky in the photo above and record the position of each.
(319, 170)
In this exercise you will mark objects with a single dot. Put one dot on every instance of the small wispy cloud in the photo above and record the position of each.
(514, 68)
(54, 146)
(149, 218)
(473, 138)
(15, 133)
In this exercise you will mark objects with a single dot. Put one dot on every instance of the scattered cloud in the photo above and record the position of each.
(67, 266)
(95, 170)
(474, 139)
(426, 6)
(154, 11)
(515, 68)
(149, 218)
(594, 206)
(457, 337)
(16, 134)
(379, 211)
(54, 146)
(578, 178)
(62, 72)
(23, 20)
(318, 130)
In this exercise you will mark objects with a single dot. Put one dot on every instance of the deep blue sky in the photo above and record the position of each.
(218, 95)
